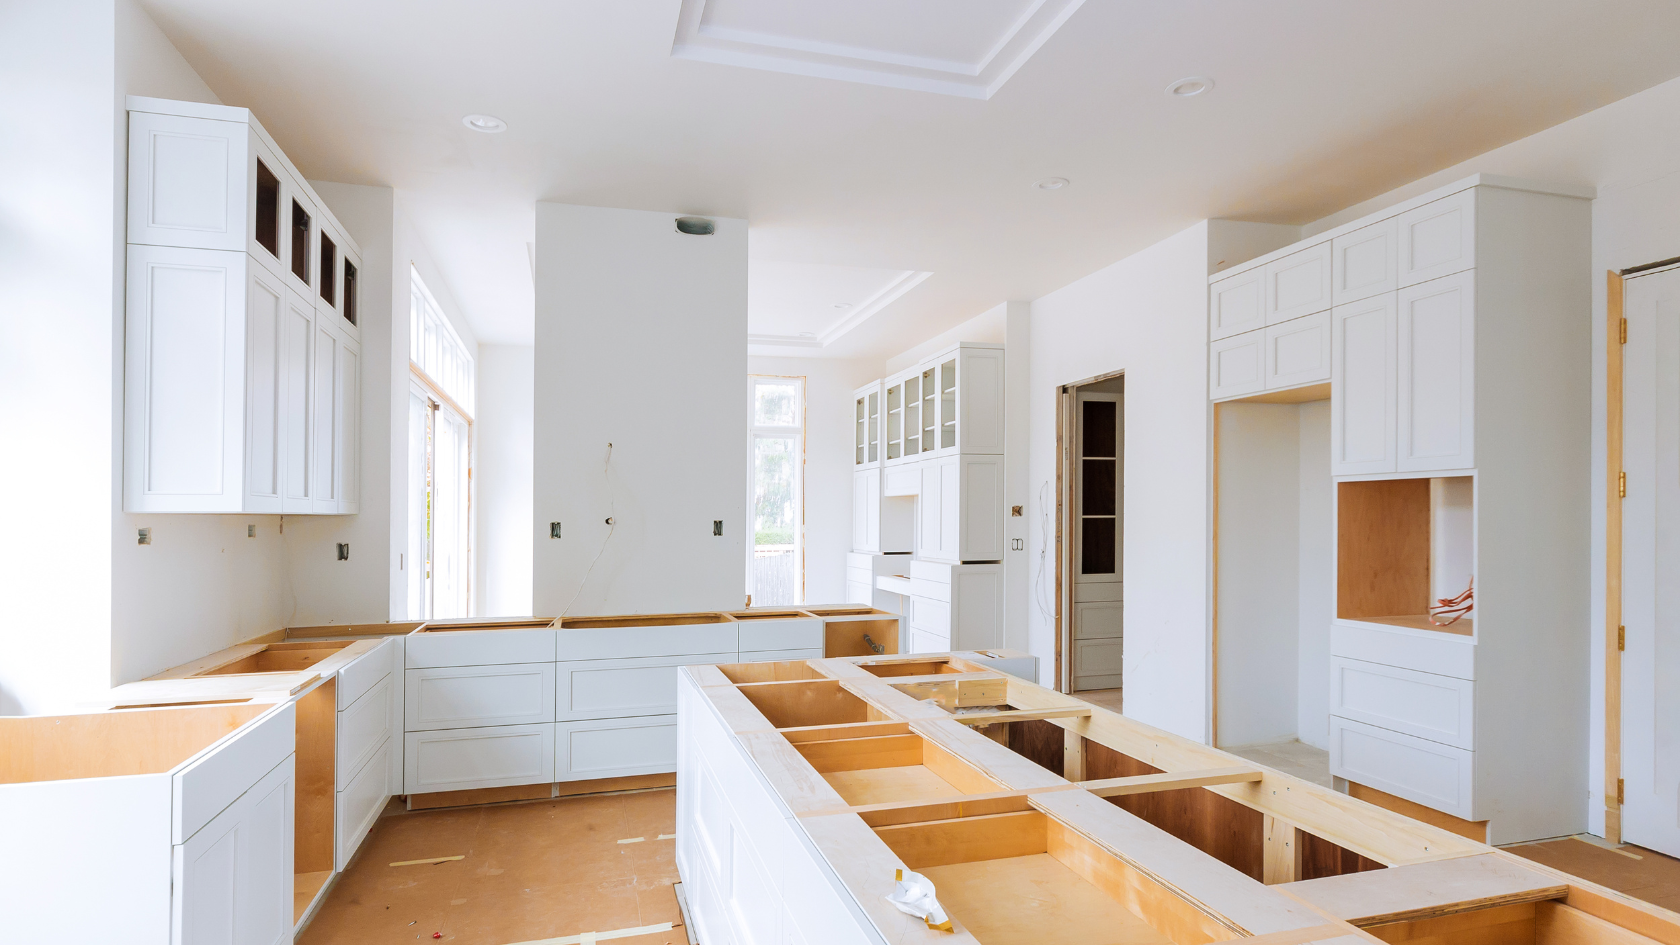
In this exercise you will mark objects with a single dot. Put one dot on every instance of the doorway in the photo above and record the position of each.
(1650, 565)
(1090, 489)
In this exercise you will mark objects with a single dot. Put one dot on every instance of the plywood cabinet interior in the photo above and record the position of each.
(242, 370)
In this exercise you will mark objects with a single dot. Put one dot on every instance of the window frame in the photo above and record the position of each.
(755, 432)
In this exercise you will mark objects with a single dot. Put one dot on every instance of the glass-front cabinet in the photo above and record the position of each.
(962, 400)
(866, 440)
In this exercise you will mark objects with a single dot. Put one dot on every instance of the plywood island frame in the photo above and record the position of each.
(803, 787)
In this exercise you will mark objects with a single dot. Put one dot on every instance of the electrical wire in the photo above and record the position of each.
(1043, 551)
(612, 526)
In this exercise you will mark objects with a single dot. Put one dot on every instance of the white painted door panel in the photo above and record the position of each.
(1439, 708)
(1362, 386)
(362, 729)
(220, 774)
(924, 641)
(1650, 576)
(1366, 263)
(476, 696)
(930, 616)
(1436, 369)
(265, 301)
(1298, 351)
(610, 689)
(1429, 773)
(979, 521)
(1298, 284)
(767, 656)
(233, 878)
(297, 332)
(1236, 365)
(432, 648)
(366, 672)
(930, 507)
(187, 181)
(1237, 304)
(632, 642)
(614, 748)
(977, 607)
(359, 803)
(1439, 654)
(792, 633)
(1437, 239)
(463, 759)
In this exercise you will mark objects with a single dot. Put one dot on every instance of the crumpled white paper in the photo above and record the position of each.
(914, 895)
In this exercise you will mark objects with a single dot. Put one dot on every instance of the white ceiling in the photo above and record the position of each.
(812, 305)
(1319, 104)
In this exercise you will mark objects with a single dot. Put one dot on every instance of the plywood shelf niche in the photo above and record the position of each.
(1401, 544)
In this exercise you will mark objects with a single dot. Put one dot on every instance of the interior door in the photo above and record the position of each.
(1651, 563)
(1097, 629)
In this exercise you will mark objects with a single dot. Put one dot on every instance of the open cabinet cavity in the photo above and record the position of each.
(1401, 545)
(278, 658)
(313, 801)
(875, 764)
(806, 703)
(113, 744)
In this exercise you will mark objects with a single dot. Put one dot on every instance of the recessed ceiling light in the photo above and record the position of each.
(842, 305)
(489, 124)
(1051, 183)
(1195, 85)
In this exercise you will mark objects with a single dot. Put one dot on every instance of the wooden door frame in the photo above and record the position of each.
(1615, 337)
(1066, 394)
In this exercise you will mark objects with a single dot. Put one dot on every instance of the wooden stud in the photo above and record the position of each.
(1017, 715)
(1073, 755)
(1281, 858)
(1149, 783)
(987, 837)
(1615, 312)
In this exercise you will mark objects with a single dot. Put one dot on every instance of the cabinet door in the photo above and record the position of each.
(1237, 304)
(1298, 351)
(297, 334)
(359, 802)
(362, 729)
(184, 380)
(265, 312)
(980, 517)
(324, 397)
(1438, 238)
(1362, 387)
(977, 609)
(1298, 284)
(866, 510)
(349, 423)
(1437, 334)
(615, 748)
(1235, 365)
(930, 509)
(1366, 262)
(1428, 773)
(233, 878)
(979, 397)
(463, 696)
(623, 688)
(187, 181)
(468, 758)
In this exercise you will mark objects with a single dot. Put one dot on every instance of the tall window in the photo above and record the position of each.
(776, 503)
(441, 382)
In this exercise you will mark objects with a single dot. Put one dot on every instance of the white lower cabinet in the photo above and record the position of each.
(615, 748)
(596, 689)
(925, 641)
(962, 603)
(233, 877)
(463, 759)
(472, 696)
(1429, 773)
(362, 729)
(769, 656)
(1439, 708)
(358, 803)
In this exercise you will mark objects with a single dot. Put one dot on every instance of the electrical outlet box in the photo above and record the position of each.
(554, 529)
(717, 526)
(343, 551)
(145, 536)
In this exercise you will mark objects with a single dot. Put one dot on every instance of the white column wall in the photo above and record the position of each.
(503, 479)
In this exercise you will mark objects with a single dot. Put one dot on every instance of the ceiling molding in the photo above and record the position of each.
(890, 293)
(696, 39)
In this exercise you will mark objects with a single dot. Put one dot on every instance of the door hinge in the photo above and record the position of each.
(1621, 485)
(1621, 639)
(1624, 331)
(1621, 785)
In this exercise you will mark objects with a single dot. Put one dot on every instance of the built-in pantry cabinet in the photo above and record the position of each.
(1457, 346)
(243, 360)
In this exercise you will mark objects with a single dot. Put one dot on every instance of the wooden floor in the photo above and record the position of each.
(532, 870)
(1107, 698)
(1641, 873)
(1291, 757)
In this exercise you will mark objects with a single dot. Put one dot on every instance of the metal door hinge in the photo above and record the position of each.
(1621, 485)
(1621, 638)
(1620, 792)
(1624, 331)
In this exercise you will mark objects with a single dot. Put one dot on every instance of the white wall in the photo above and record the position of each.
(1316, 568)
(641, 332)
(503, 479)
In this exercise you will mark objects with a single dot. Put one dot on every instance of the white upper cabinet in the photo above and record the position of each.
(1362, 386)
(243, 364)
(866, 422)
(1298, 351)
(1438, 238)
(1236, 365)
(962, 400)
(903, 411)
(1237, 304)
(1298, 284)
(1437, 357)
(1366, 263)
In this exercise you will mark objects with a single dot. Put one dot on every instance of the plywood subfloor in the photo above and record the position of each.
(1035, 900)
(304, 888)
(532, 870)
(1291, 757)
(1107, 698)
(1641, 873)
(898, 783)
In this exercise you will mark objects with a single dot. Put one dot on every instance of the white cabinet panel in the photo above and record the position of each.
(977, 607)
(901, 480)
(1429, 773)
(265, 302)
(1237, 304)
(297, 330)
(1438, 238)
(362, 729)
(1236, 365)
(930, 509)
(187, 181)
(463, 759)
(604, 689)
(773, 656)
(1441, 654)
(1366, 262)
(324, 397)
(979, 400)
(866, 510)
(860, 592)
(1298, 284)
(479, 647)
(1362, 386)
(359, 802)
(1437, 403)
(789, 634)
(366, 671)
(1439, 708)
(220, 774)
(1298, 351)
(458, 697)
(978, 520)
(349, 428)
(612, 748)
(233, 879)
(595, 643)
(930, 616)
(923, 641)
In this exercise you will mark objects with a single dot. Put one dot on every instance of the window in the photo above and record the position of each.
(775, 500)
(439, 464)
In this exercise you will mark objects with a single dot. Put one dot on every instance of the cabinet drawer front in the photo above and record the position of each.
(1437, 239)
(1432, 774)
(859, 592)
(770, 656)
(359, 801)
(218, 776)
(1298, 351)
(1298, 284)
(1235, 365)
(936, 571)
(362, 728)
(1439, 708)
(611, 748)
(931, 616)
(781, 634)
(463, 697)
(1362, 386)
(901, 480)
(932, 590)
(1439, 654)
(503, 756)
(604, 689)
(629, 642)
(479, 647)
(1437, 356)
(922, 641)
(365, 672)
(859, 561)
(1366, 263)
(1237, 304)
